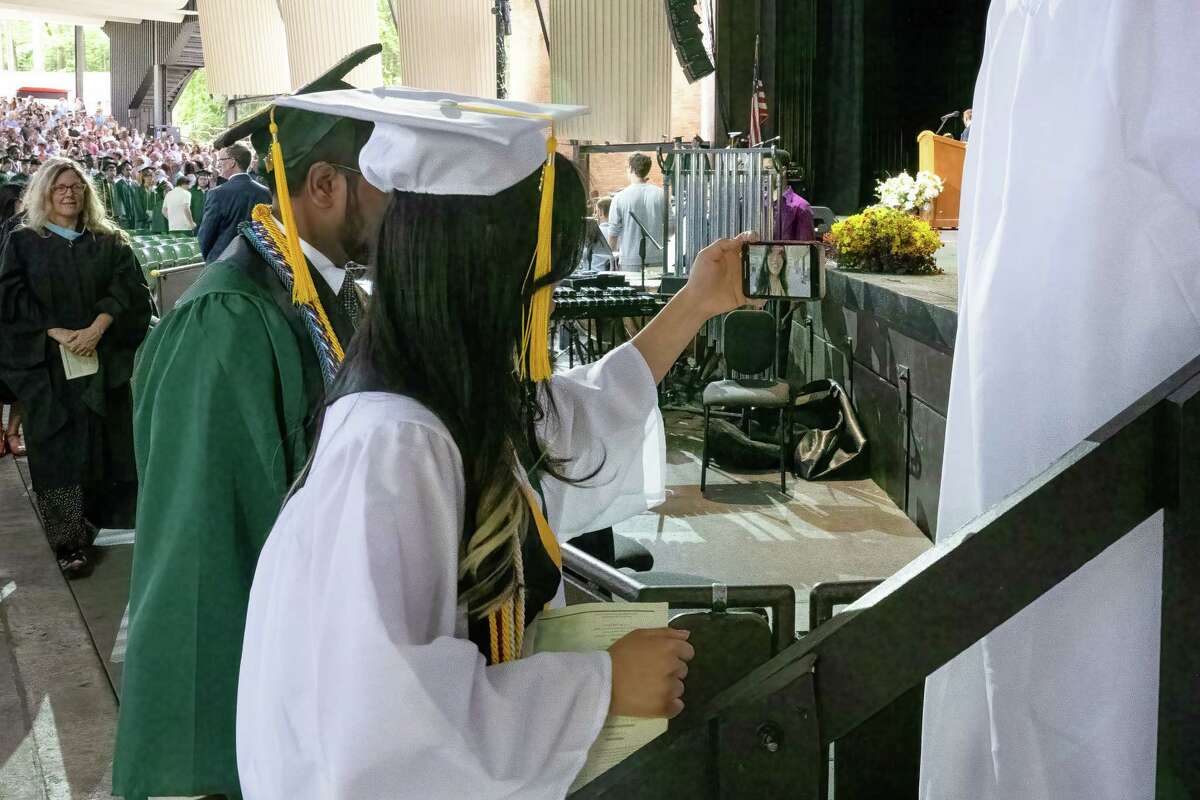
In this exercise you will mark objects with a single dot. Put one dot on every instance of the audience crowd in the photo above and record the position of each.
(133, 172)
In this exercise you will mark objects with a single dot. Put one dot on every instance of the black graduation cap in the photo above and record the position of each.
(203, 171)
(299, 131)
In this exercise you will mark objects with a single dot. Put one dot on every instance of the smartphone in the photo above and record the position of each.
(783, 270)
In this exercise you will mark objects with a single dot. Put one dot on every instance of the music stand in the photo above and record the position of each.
(646, 234)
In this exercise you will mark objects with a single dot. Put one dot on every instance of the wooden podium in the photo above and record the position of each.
(943, 156)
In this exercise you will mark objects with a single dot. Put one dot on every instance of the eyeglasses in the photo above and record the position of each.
(72, 188)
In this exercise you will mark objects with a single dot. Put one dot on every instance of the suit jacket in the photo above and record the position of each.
(226, 207)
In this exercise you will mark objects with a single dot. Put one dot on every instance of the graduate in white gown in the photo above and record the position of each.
(382, 642)
(1079, 273)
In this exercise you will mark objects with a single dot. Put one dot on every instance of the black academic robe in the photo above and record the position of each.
(80, 432)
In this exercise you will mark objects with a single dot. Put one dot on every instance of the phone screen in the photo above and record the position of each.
(782, 270)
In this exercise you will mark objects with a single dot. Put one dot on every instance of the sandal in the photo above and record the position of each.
(16, 445)
(74, 564)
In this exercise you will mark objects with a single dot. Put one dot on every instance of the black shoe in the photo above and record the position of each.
(75, 564)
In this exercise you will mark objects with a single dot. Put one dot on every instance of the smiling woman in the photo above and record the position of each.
(73, 309)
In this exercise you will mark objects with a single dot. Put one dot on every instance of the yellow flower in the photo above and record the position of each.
(882, 239)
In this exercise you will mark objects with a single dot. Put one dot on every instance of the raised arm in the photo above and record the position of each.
(714, 287)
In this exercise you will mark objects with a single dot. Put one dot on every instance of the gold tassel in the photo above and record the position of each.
(506, 629)
(262, 215)
(303, 290)
(534, 363)
(495, 639)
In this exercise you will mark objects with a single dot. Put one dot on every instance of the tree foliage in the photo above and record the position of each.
(199, 115)
(58, 46)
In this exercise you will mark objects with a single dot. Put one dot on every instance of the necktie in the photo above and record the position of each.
(348, 296)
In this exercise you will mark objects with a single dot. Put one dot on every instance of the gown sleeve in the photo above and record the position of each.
(604, 416)
(126, 298)
(403, 708)
(23, 319)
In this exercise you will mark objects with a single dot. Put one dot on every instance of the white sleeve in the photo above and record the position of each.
(604, 416)
(404, 708)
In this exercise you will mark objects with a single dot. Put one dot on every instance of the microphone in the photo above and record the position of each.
(946, 119)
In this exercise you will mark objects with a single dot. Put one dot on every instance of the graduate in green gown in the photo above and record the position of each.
(157, 193)
(143, 199)
(225, 393)
(199, 190)
(126, 190)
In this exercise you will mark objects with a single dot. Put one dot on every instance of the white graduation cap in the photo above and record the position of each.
(440, 143)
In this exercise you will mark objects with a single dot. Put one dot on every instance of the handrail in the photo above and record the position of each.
(781, 599)
(167, 272)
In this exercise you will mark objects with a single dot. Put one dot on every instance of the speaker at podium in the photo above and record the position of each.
(943, 156)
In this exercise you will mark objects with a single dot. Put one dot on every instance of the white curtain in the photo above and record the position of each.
(245, 49)
(615, 58)
(320, 33)
(448, 45)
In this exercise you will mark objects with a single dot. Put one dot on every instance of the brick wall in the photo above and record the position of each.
(529, 79)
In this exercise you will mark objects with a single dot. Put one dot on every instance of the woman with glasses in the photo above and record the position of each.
(73, 309)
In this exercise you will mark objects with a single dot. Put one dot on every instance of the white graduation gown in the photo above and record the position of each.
(357, 679)
(1079, 265)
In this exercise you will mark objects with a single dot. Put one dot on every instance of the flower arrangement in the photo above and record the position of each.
(908, 193)
(883, 239)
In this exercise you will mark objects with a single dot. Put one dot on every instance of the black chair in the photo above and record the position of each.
(749, 348)
(823, 219)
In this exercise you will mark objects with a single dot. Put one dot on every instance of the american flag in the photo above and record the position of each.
(758, 105)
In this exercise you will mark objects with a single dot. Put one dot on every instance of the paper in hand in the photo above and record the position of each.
(595, 626)
(75, 366)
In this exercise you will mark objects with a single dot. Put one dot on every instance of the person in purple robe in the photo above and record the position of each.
(795, 218)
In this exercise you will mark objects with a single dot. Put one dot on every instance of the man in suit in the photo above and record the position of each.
(230, 204)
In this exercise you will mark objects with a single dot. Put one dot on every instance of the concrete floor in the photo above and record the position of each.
(744, 530)
(58, 713)
(61, 645)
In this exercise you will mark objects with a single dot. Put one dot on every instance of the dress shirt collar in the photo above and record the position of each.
(333, 275)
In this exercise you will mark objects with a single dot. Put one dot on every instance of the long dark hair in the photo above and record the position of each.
(444, 326)
(764, 272)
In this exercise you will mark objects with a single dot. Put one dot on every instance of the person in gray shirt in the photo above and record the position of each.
(649, 203)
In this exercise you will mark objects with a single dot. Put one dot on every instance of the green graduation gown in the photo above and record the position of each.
(154, 208)
(139, 200)
(197, 205)
(225, 391)
(128, 197)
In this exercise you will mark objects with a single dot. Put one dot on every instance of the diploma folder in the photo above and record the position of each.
(596, 626)
(75, 366)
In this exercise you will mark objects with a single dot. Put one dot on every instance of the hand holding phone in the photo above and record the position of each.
(779, 270)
